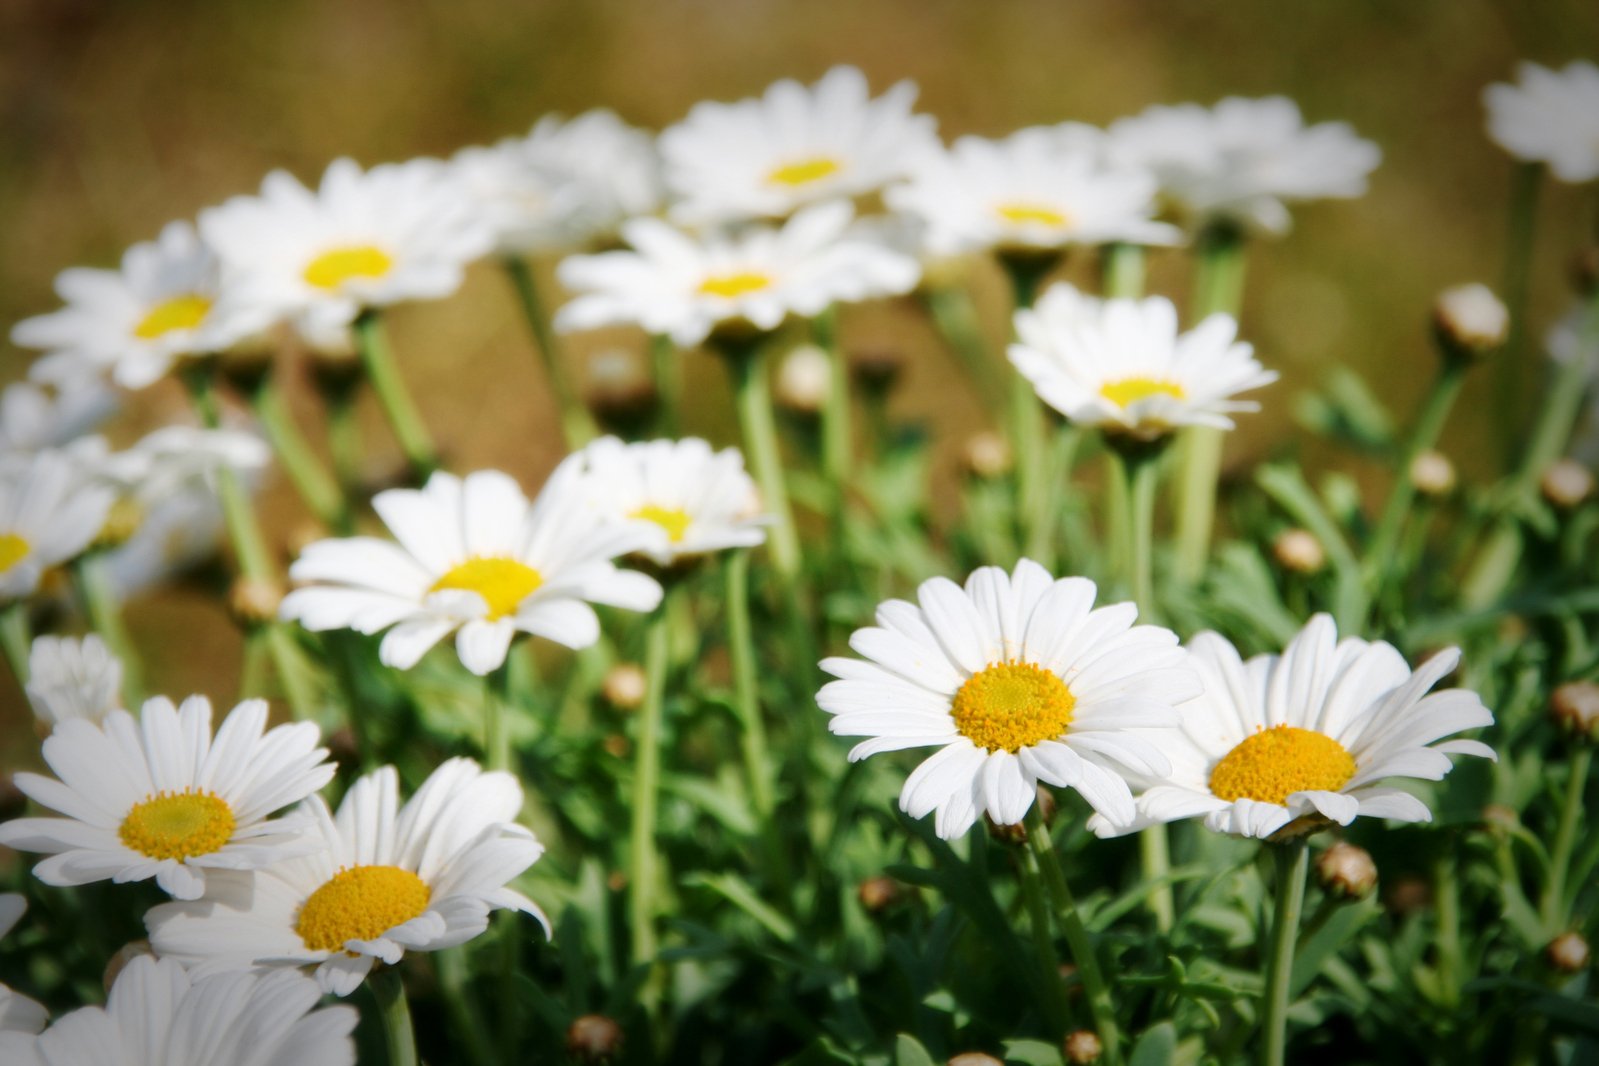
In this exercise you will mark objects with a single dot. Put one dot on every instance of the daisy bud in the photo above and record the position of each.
(986, 455)
(616, 745)
(624, 685)
(618, 388)
(877, 369)
(877, 894)
(1346, 871)
(1433, 474)
(1409, 895)
(121, 523)
(1566, 484)
(1497, 816)
(802, 380)
(1298, 551)
(1575, 708)
(1567, 953)
(119, 962)
(594, 1038)
(973, 1058)
(1083, 1047)
(1470, 321)
(254, 601)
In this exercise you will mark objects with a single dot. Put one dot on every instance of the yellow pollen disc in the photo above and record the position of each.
(179, 312)
(332, 269)
(732, 286)
(1023, 214)
(503, 583)
(1129, 391)
(1010, 706)
(13, 549)
(178, 825)
(674, 520)
(1275, 763)
(360, 903)
(804, 171)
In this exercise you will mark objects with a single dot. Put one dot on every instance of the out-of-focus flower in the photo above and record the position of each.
(1433, 474)
(802, 380)
(18, 1013)
(1566, 483)
(71, 678)
(1298, 551)
(1549, 116)
(34, 417)
(1471, 321)
(47, 516)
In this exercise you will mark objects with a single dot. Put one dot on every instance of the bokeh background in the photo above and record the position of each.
(118, 116)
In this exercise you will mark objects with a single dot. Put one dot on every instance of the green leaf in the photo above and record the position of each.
(908, 1051)
(1326, 942)
(1033, 1053)
(1157, 1047)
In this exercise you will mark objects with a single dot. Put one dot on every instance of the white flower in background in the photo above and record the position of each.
(35, 417)
(18, 1013)
(47, 516)
(175, 459)
(794, 146)
(388, 879)
(363, 239)
(682, 497)
(1241, 161)
(1122, 365)
(566, 183)
(1033, 190)
(676, 285)
(73, 678)
(136, 322)
(1549, 116)
(158, 796)
(477, 559)
(1017, 679)
(1312, 731)
(157, 1015)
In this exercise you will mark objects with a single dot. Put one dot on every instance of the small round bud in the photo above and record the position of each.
(624, 686)
(1500, 818)
(1470, 321)
(877, 369)
(121, 523)
(1567, 953)
(1346, 871)
(1408, 895)
(616, 745)
(973, 1058)
(1433, 474)
(986, 455)
(877, 894)
(616, 880)
(594, 1038)
(802, 380)
(253, 601)
(1083, 1047)
(1566, 484)
(1015, 835)
(1298, 551)
(1575, 708)
(618, 387)
(119, 962)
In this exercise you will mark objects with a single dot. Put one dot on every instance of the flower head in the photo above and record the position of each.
(18, 1013)
(1549, 116)
(47, 516)
(35, 417)
(70, 678)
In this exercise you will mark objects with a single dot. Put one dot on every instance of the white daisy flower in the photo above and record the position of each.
(1030, 191)
(477, 559)
(158, 796)
(158, 1015)
(676, 285)
(684, 498)
(794, 146)
(565, 184)
(1308, 733)
(422, 877)
(1122, 364)
(1017, 679)
(1551, 117)
(397, 232)
(137, 321)
(1239, 161)
(18, 1013)
(73, 678)
(175, 459)
(47, 516)
(35, 417)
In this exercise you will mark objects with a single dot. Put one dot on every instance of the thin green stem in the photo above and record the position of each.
(752, 396)
(667, 364)
(1446, 904)
(496, 702)
(746, 695)
(398, 407)
(16, 638)
(643, 864)
(1051, 988)
(1027, 274)
(311, 480)
(955, 317)
(576, 424)
(466, 1021)
(395, 1013)
(836, 428)
(1292, 863)
(105, 617)
(1122, 270)
(1553, 905)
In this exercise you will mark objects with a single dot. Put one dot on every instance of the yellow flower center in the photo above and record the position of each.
(333, 268)
(360, 903)
(1012, 705)
(503, 583)
(1275, 763)
(674, 520)
(178, 825)
(1018, 213)
(732, 286)
(178, 312)
(13, 549)
(804, 171)
(1129, 391)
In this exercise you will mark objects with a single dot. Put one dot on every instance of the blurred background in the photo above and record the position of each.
(116, 117)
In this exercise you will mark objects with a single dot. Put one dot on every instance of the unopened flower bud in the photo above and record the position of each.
(877, 894)
(1346, 871)
(594, 1038)
(1433, 474)
(618, 388)
(986, 455)
(973, 1058)
(119, 962)
(877, 369)
(1568, 953)
(121, 523)
(253, 601)
(802, 380)
(1499, 817)
(1298, 551)
(1470, 321)
(616, 745)
(1409, 895)
(1083, 1047)
(1566, 484)
(1575, 708)
(624, 686)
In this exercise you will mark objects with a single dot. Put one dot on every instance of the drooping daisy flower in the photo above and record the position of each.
(1549, 116)
(18, 1013)
(1017, 679)
(137, 321)
(684, 498)
(1122, 364)
(679, 286)
(159, 797)
(1310, 733)
(474, 556)
(397, 232)
(157, 1015)
(47, 516)
(768, 157)
(34, 417)
(1241, 161)
(70, 678)
(1030, 191)
(388, 879)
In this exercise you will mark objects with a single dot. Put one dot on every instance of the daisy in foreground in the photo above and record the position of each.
(1549, 116)
(157, 1015)
(1122, 365)
(474, 558)
(159, 797)
(386, 879)
(1307, 737)
(1017, 679)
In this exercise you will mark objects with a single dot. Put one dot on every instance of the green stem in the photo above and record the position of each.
(496, 701)
(955, 316)
(576, 424)
(1292, 862)
(643, 862)
(395, 1012)
(310, 478)
(398, 407)
(1571, 811)
(1446, 903)
(16, 637)
(105, 617)
(1027, 274)
(836, 430)
(1526, 183)
(1051, 987)
(1122, 270)
(753, 398)
(667, 364)
(746, 697)
(466, 1021)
